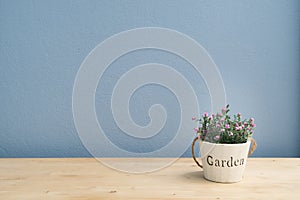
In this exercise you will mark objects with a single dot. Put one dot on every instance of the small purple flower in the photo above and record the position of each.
(237, 128)
(218, 125)
(227, 126)
(246, 123)
(196, 130)
(253, 125)
(223, 110)
(217, 137)
(205, 114)
(252, 119)
(193, 118)
(236, 124)
(248, 129)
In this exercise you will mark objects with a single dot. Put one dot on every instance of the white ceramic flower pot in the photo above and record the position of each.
(224, 163)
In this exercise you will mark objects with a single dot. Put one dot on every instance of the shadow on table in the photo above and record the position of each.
(196, 176)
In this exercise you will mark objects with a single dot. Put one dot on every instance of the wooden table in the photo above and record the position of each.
(87, 178)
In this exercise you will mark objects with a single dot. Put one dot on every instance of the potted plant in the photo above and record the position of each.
(224, 145)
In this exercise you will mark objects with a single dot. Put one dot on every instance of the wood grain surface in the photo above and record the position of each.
(87, 178)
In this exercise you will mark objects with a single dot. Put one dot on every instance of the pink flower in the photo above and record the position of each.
(219, 114)
(245, 123)
(237, 128)
(248, 129)
(252, 119)
(196, 130)
(218, 125)
(227, 126)
(205, 114)
(193, 118)
(253, 125)
(217, 137)
(223, 110)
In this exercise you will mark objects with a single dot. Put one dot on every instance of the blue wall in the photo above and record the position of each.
(255, 45)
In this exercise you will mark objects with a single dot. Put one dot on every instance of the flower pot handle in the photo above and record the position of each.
(253, 147)
(193, 152)
(251, 150)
